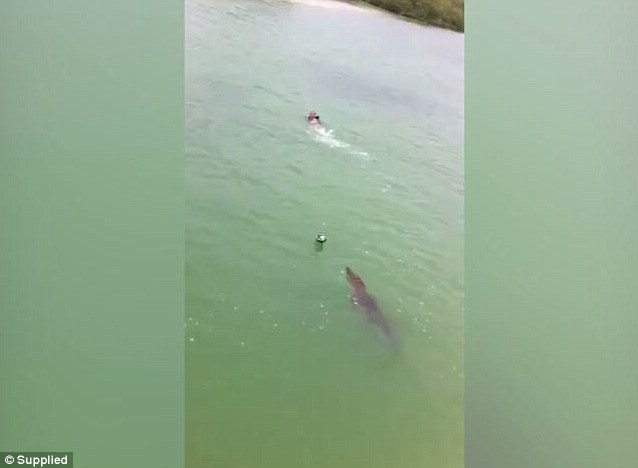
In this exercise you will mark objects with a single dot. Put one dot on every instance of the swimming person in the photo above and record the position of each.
(313, 118)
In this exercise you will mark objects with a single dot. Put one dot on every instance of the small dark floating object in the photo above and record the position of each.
(321, 238)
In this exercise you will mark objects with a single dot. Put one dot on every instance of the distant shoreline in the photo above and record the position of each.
(447, 14)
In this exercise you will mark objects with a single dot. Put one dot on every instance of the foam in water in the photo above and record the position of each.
(326, 136)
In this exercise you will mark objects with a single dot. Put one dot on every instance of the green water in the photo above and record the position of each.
(281, 371)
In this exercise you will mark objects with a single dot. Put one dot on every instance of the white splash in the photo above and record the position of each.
(327, 137)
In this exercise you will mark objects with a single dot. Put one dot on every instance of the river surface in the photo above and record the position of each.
(282, 371)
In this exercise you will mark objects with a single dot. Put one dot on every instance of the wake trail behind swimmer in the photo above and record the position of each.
(327, 137)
